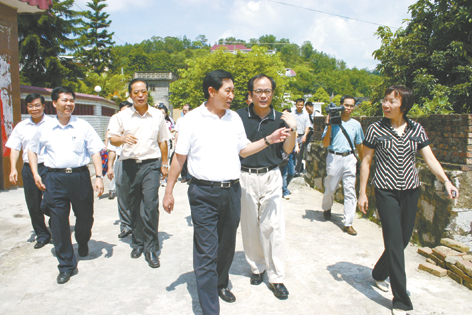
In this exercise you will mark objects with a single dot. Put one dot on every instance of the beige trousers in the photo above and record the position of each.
(263, 223)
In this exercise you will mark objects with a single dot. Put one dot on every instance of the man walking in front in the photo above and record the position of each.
(213, 138)
(142, 131)
(68, 143)
(341, 162)
(303, 122)
(262, 217)
(18, 141)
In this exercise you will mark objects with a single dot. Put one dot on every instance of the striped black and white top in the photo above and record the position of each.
(396, 155)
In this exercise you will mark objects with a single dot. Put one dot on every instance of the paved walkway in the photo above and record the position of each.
(327, 271)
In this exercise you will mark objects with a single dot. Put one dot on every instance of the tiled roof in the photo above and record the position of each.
(41, 4)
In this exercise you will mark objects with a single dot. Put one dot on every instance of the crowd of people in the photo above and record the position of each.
(237, 164)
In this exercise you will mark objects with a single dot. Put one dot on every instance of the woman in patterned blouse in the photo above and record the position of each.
(395, 140)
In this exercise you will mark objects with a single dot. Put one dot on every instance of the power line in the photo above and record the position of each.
(333, 14)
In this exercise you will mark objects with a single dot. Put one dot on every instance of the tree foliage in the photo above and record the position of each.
(96, 42)
(243, 66)
(42, 40)
(432, 55)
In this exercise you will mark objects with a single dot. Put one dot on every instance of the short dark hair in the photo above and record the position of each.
(407, 96)
(345, 97)
(309, 104)
(61, 89)
(125, 103)
(250, 84)
(137, 80)
(189, 106)
(32, 96)
(162, 106)
(287, 109)
(300, 100)
(215, 79)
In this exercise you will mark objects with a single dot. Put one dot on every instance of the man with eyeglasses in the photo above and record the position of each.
(142, 131)
(341, 162)
(262, 216)
(68, 143)
(19, 139)
(215, 192)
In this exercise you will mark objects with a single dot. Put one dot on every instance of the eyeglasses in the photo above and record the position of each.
(260, 92)
(37, 106)
(143, 92)
(349, 105)
(393, 102)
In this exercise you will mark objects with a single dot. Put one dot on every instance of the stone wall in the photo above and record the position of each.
(437, 216)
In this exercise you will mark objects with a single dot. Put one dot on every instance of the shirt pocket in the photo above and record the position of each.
(78, 144)
(413, 143)
(385, 143)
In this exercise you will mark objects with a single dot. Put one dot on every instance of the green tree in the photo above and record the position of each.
(114, 87)
(95, 39)
(321, 96)
(432, 55)
(42, 39)
(243, 66)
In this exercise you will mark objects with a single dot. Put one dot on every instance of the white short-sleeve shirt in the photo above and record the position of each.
(212, 145)
(150, 129)
(22, 134)
(66, 146)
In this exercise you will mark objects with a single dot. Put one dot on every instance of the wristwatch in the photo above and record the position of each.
(99, 176)
(166, 166)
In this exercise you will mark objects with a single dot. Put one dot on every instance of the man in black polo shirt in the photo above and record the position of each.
(262, 218)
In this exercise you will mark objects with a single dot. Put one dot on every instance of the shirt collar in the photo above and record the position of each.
(148, 112)
(31, 122)
(71, 122)
(386, 122)
(206, 113)
(252, 114)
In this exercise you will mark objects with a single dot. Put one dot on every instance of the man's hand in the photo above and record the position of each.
(363, 203)
(279, 135)
(129, 139)
(168, 202)
(164, 172)
(289, 120)
(110, 173)
(39, 182)
(14, 176)
(304, 138)
(99, 186)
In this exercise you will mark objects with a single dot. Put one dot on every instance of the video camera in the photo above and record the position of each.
(334, 113)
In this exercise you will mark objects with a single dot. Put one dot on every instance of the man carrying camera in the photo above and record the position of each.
(339, 137)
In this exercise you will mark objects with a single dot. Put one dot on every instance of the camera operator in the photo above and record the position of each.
(341, 161)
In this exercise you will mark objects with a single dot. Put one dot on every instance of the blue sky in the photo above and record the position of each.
(347, 39)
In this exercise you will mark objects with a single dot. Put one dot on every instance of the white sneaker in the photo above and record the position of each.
(382, 285)
(396, 311)
(287, 197)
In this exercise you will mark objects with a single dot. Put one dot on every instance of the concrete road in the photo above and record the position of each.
(327, 271)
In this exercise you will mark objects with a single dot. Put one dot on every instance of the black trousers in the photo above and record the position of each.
(62, 190)
(143, 180)
(122, 189)
(397, 211)
(215, 214)
(34, 197)
(301, 154)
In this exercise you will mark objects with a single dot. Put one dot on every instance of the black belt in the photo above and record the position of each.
(260, 170)
(339, 153)
(69, 170)
(137, 161)
(226, 184)
(27, 164)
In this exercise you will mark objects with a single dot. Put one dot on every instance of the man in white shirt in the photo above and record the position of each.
(18, 141)
(303, 122)
(143, 132)
(213, 138)
(68, 143)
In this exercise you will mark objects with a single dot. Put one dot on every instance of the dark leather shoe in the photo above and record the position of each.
(136, 253)
(257, 278)
(124, 233)
(152, 259)
(280, 291)
(83, 250)
(63, 277)
(226, 295)
(349, 230)
(327, 214)
(41, 244)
